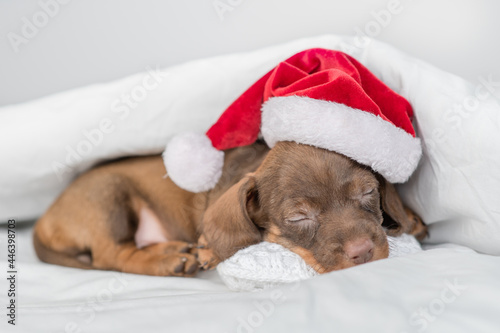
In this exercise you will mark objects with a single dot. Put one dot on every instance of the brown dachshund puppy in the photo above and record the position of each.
(126, 216)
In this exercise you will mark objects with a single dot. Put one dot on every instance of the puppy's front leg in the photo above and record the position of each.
(162, 259)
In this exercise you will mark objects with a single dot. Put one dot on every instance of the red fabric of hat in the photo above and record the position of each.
(316, 73)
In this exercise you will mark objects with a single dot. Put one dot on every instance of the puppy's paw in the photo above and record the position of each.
(179, 265)
(206, 257)
(419, 230)
(172, 247)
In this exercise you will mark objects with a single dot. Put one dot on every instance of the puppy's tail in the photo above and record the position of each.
(51, 256)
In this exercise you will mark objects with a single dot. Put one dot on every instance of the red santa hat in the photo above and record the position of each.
(318, 97)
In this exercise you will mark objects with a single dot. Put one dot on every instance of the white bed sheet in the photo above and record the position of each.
(456, 287)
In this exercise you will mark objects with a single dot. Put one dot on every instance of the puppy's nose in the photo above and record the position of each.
(359, 251)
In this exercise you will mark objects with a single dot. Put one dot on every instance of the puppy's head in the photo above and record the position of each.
(330, 210)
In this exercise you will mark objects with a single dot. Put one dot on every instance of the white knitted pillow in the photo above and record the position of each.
(267, 265)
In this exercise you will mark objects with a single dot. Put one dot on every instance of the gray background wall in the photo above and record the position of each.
(78, 42)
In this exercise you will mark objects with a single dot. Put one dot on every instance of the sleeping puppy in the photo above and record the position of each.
(126, 216)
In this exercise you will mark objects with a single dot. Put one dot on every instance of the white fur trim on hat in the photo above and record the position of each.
(360, 135)
(193, 163)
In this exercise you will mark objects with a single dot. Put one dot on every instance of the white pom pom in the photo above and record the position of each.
(261, 266)
(192, 162)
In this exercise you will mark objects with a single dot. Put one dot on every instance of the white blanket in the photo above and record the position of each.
(45, 143)
(450, 289)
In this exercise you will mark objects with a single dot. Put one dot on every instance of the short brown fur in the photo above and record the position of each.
(310, 200)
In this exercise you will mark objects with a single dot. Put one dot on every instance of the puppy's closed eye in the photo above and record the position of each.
(367, 198)
(300, 218)
(299, 212)
(302, 224)
(360, 191)
(368, 192)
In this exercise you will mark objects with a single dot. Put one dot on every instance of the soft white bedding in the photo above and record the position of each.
(450, 288)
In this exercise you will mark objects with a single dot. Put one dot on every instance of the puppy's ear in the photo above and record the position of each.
(396, 219)
(228, 223)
